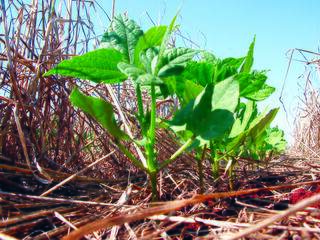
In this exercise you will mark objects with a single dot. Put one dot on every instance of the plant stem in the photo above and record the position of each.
(153, 114)
(215, 162)
(150, 146)
(153, 180)
(215, 165)
(177, 153)
(140, 108)
(151, 161)
(200, 169)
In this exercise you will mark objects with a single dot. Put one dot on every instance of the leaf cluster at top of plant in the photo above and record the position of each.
(218, 97)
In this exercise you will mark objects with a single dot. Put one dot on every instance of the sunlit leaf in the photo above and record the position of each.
(275, 138)
(210, 115)
(257, 127)
(130, 70)
(147, 79)
(246, 67)
(153, 37)
(226, 95)
(100, 110)
(250, 82)
(199, 72)
(264, 92)
(226, 68)
(98, 66)
(184, 89)
(174, 61)
(242, 122)
(123, 35)
(148, 59)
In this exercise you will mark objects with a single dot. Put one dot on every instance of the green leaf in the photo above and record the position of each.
(166, 36)
(189, 92)
(147, 79)
(241, 123)
(264, 92)
(250, 82)
(199, 72)
(275, 137)
(226, 95)
(184, 89)
(208, 57)
(234, 143)
(248, 113)
(271, 140)
(123, 35)
(226, 68)
(174, 61)
(237, 128)
(257, 127)
(130, 70)
(210, 115)
(187, 85)
(182, 117)
(164, 44)
(147, 58)
(153, 37)
(98, 66)
(234, 63)
(100, 110)
(213, 125)
(218, 120)
(246, 67)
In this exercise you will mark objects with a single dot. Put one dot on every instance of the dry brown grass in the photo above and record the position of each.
(307, 121)
(38, 125)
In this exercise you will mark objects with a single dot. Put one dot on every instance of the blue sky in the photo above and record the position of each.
(226, 27)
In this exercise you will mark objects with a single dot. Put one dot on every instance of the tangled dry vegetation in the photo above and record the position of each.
(307, 131)
(60, 171)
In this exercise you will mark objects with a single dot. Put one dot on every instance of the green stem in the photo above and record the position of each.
(215, 168)
(150, 147)
(153, 180)
(140, 108)
(177, 153)
(152, 164)
(200, 169)
(215, 162)
(152, 130)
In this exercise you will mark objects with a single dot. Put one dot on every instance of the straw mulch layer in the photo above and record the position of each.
(261, 208)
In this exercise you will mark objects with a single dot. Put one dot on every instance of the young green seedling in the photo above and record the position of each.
(210, 71)
(209, 92)
(144, 58)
